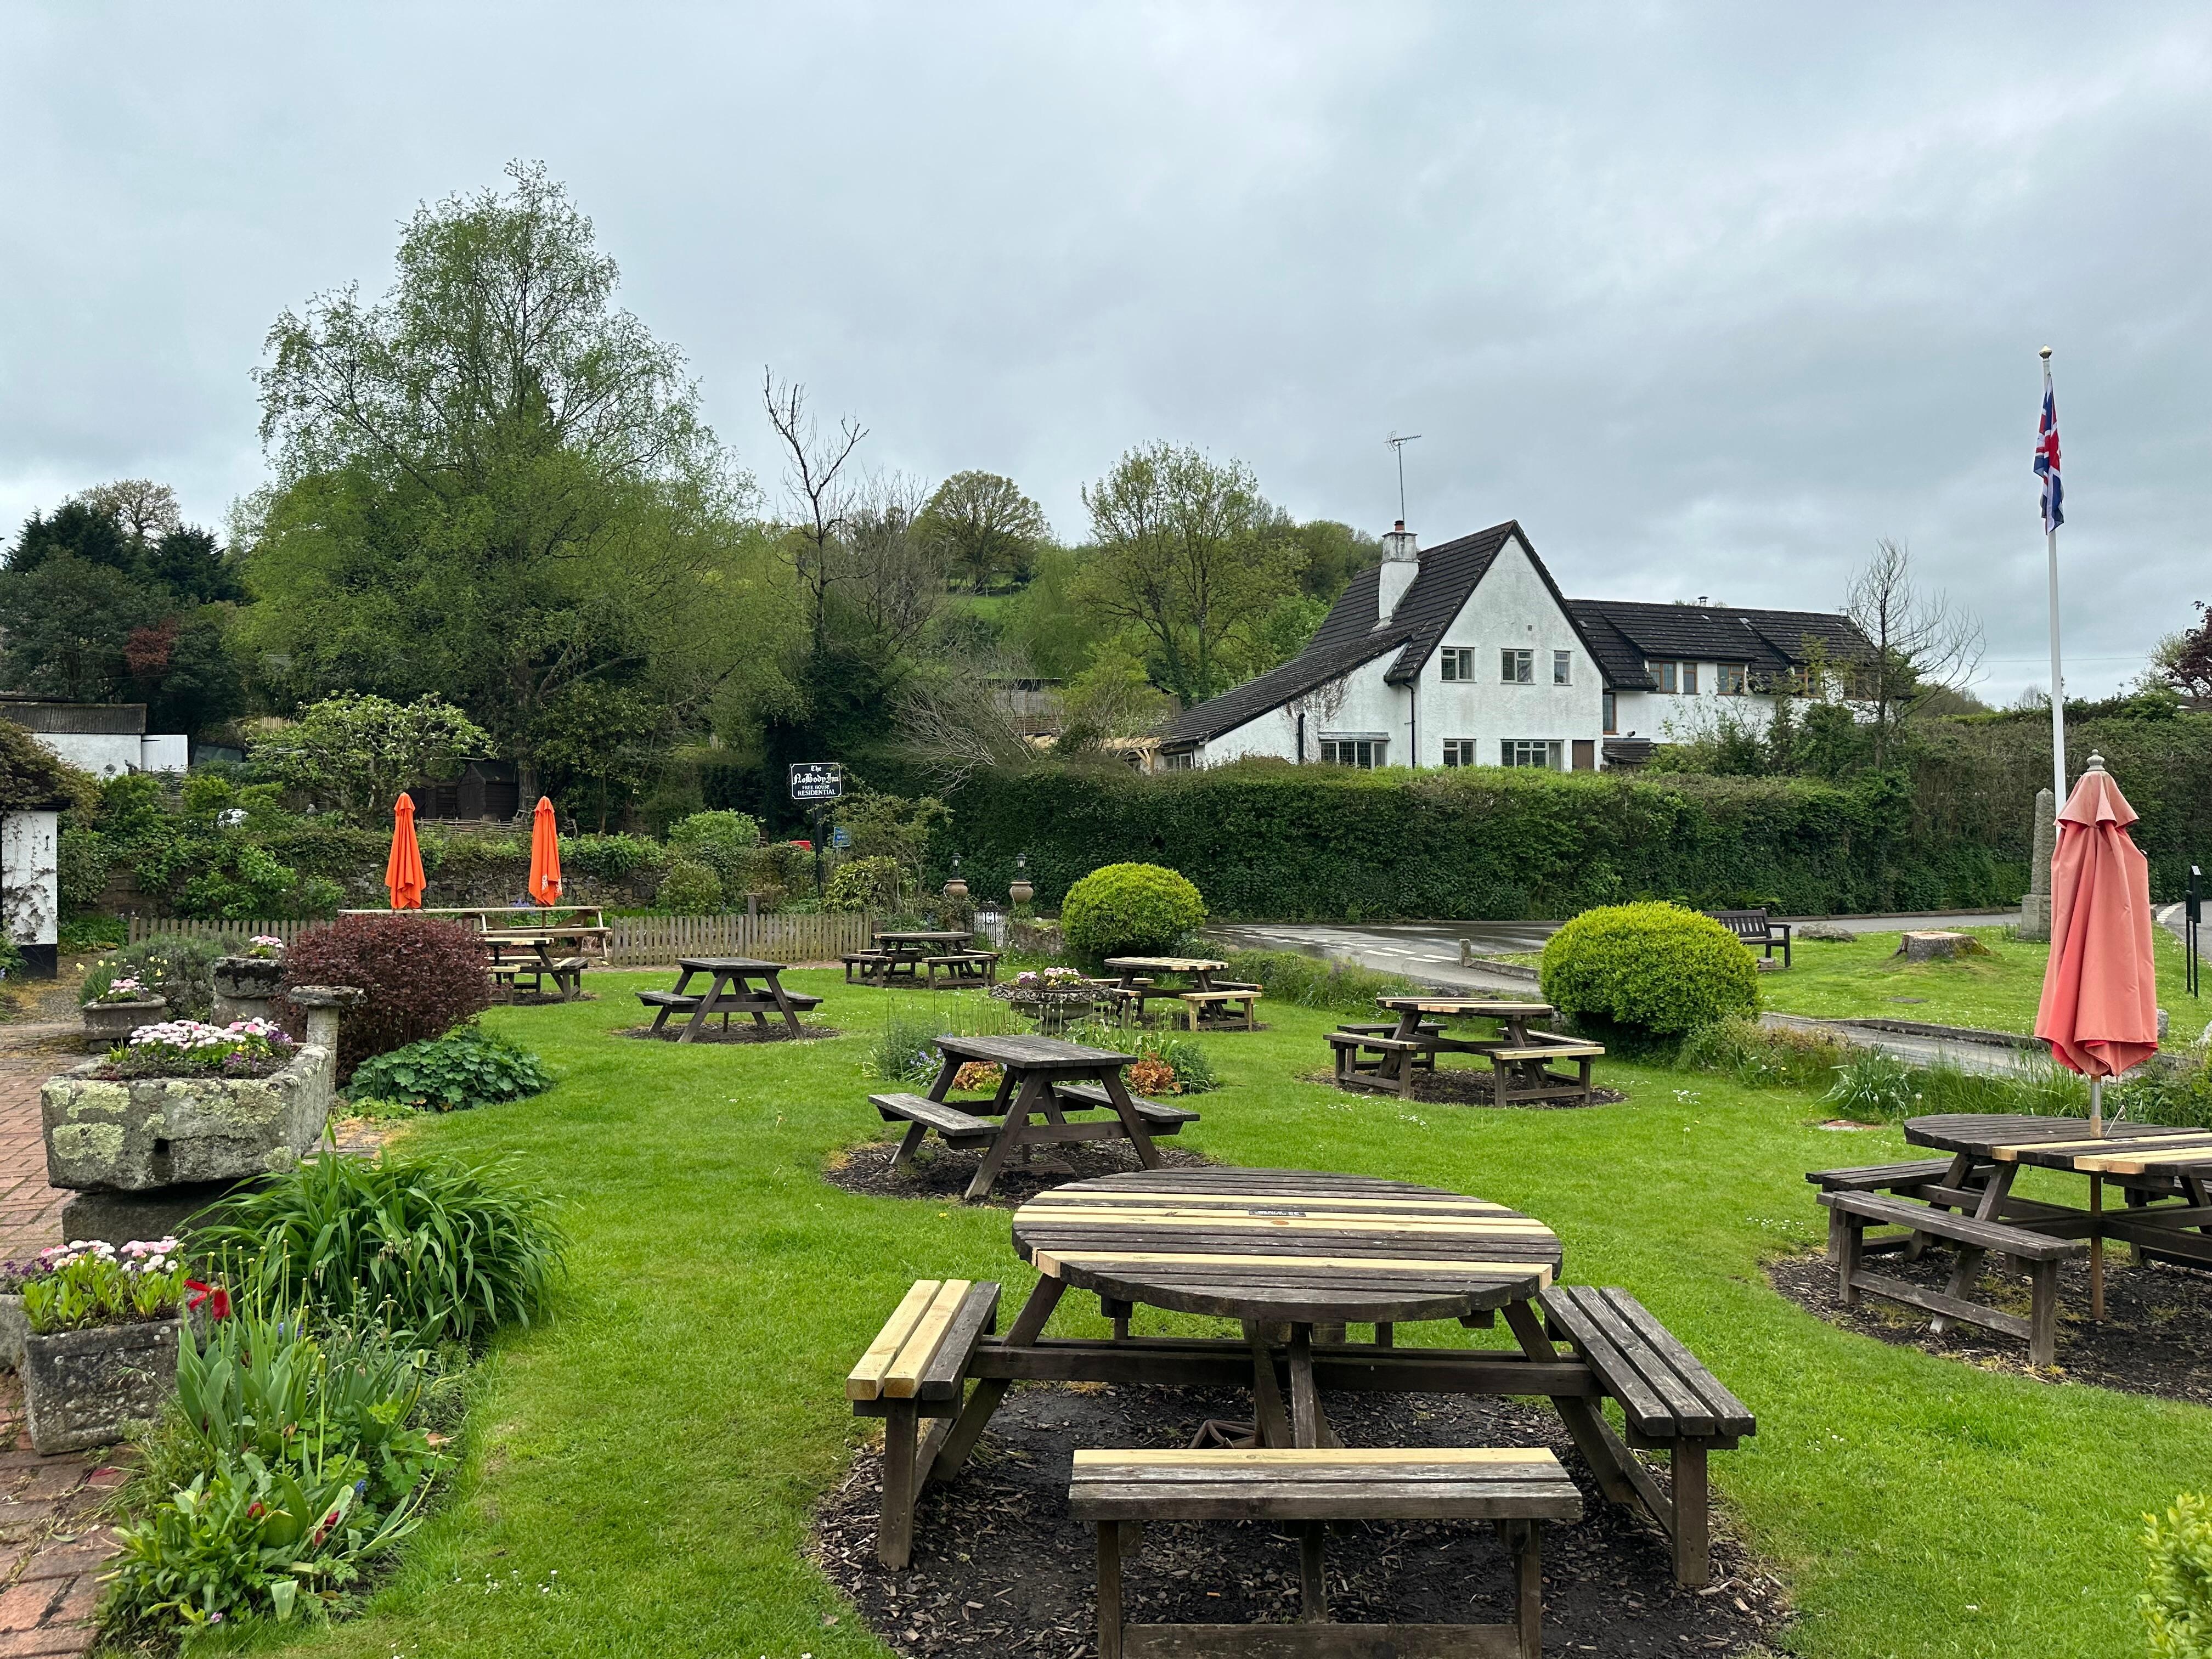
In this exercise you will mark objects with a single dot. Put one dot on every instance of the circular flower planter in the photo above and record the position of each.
(113, 1022)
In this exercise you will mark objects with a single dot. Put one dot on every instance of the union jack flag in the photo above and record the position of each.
(2046, 461)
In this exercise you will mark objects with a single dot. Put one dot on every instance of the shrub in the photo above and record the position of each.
(2173, 1089)
(169, 965)
(906, 1051)
(1130, 909)
(1657, 969)
(723, 842)
(1874, 1087)
(236, 879)
(422, 977)
(2177, 1606)
(433, 1246)
(689, 889)
(1764, 1056)
(861, 883)
(610, 858)
(1310, 982)
(467, 1067)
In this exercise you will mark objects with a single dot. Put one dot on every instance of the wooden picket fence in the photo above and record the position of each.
(635, 941)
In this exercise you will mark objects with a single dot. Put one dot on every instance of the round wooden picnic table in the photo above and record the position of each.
(1286, 1247)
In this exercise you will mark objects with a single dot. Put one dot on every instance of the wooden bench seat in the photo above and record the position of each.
(867, 962)
(963, 968)
(2039, 1253)
(1160, 1118)
(1756, 927)
(1881, 1177)
(917, 1367)
(1198, 1005)
(1517, 1489)
(1668, 1400)
(958, 1129)
(1357, 1051)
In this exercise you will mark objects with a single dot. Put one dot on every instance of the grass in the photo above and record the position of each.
(1867, 980)
(652, 1451)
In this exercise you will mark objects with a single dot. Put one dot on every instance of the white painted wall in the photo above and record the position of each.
(1676, 716)
(1511, 609)
(29, 876)
(111, 754)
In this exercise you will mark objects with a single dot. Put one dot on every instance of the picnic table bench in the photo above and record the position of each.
(730, 990)
(1756, 927)
(533, 960)
(917, 955)
(1518, 1489)
(1521, 1061)
(1038, 1076)
(1206, 1000)
(1294, 1256)
(962, 968)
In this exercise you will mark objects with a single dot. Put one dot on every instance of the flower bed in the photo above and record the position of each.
(129, 988)
(192, 1048)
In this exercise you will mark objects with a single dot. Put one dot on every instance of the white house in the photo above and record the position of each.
(104, 739)
(1468, 654)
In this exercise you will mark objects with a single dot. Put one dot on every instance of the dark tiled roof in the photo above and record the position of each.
(1770, 641)
(1618, 661)
(1449, 573)
(1628, 751)
(1311, 668)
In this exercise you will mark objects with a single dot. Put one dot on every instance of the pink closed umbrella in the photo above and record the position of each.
(2099, 1007)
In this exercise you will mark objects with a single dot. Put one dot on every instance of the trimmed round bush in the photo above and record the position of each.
(422, 977)
(860, 883)
(1130, 909)
(1652, 968)
(689, 889)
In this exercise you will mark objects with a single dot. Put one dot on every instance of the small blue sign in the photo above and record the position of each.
(839, 837)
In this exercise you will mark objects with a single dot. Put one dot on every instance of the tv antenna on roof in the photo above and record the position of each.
(1398, 448)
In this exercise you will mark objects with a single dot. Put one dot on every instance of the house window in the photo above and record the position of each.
(1460, 751)
(1365, 753)
(1676, 676)
(1563, 668)
(1612, 714)
(1529, 752)
(1689, 679)
(1517, 667)
(1181, 762)
(1735, 679)
(1459, 662)
(1664, 673)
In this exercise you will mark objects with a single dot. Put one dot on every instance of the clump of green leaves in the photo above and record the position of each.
(1123, 909)
(1873, 1087)
(2177, 1606)
(172, 966)
(1654, 970)
(1309, 982)
(435, 1246)
(689, 889)
(1764, 1056)
(905, 1050)
(467, 1067)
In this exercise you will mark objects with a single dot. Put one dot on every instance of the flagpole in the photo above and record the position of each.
(2057, 681)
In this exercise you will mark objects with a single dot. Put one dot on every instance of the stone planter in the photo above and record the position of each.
(1020, 893)
(244, 986)
(14, 1329)
(110, 1022)
(140, 1135)
(86, 1388)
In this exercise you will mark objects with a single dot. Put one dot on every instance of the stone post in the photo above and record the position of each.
(2035, 908)
(324, 1003)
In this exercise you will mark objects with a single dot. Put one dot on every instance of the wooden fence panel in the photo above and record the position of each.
(635, 941)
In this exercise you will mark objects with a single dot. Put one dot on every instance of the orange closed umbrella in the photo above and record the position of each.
(402, 871)
(2099, 1008)
(544, 855)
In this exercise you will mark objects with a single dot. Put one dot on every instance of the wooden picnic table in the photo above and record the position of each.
(1521, 1057)
(1034, 1073)
(533, 954)
(2165, 1173)
(730, 990)
(1294, 1256)
(906, 952)
(1203, 999)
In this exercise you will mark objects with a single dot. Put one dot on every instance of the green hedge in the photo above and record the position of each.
(1266, 839)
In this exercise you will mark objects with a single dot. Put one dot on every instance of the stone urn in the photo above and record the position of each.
(87, 1387)
(244, 987)
(110, 1022)
(1021, 892)
(956, 889)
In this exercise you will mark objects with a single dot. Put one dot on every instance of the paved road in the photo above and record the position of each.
(1429, 951)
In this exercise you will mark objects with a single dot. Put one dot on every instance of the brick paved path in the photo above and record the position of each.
(52, 1541)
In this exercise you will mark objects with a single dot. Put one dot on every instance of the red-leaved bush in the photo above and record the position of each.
(422, 976)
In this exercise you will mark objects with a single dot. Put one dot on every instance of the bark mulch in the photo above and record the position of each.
(943, 1172)
(999, 1567)
(2156, 1337)
(775, 1031)
(1466, 1086)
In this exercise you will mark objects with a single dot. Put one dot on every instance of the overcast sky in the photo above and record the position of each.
(1707, 297)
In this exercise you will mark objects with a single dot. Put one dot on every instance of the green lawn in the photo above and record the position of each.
(1866, 978)
(652, 1451)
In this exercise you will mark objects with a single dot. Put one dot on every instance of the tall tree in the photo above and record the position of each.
(1335, 553)
(147, 511)
(1189, 554)
(494, 484)
(986, 527)
(2184, 660)
(1922, 644)
(818, 485)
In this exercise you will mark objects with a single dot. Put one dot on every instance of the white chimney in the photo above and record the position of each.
(1402, 563)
